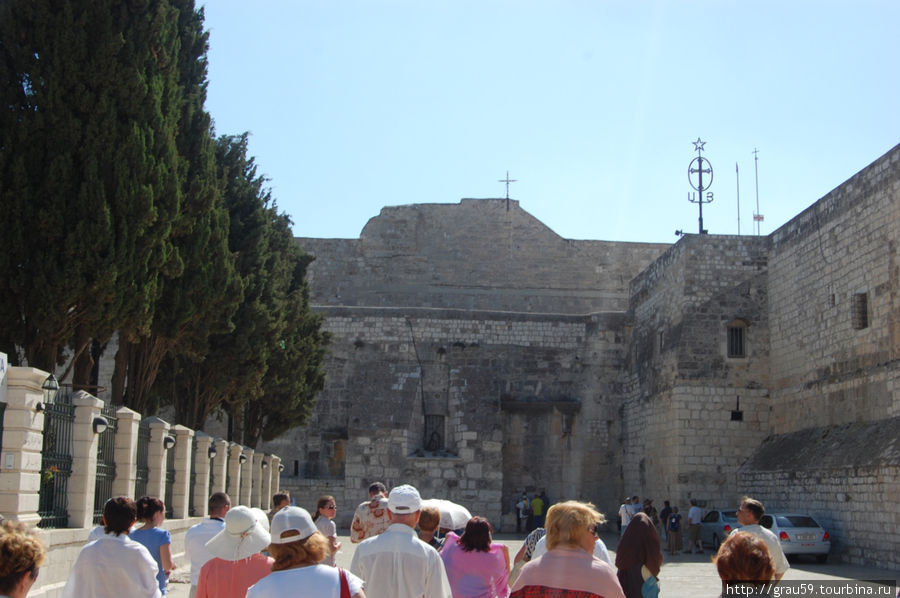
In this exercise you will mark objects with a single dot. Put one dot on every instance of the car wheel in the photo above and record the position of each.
(715, 543)
(822, 558)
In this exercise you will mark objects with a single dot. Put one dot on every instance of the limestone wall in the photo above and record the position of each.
(473, 255)
(826, 367)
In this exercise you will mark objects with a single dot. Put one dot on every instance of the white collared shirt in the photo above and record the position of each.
(397, 564)
(113, 567)
(195, 545)
(779, 561)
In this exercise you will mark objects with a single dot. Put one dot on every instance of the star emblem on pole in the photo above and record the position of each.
(698, 145)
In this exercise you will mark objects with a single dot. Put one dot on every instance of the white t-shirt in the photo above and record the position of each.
(315, 581)
(779, 561)
(695, 515)
(599, 550)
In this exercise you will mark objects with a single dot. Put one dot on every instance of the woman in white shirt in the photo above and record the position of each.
(298, 549)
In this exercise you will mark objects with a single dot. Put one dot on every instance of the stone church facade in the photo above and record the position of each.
(476, 354)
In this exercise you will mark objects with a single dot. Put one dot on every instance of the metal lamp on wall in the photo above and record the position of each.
(50, 388)
(169, 442)
(100, 424)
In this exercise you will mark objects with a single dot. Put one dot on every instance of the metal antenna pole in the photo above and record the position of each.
(737, 180)
(757, 217)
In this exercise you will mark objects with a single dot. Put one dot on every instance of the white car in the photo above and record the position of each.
(716, 525)
(799, 534)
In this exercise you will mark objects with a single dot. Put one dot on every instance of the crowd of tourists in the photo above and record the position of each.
(402, 551)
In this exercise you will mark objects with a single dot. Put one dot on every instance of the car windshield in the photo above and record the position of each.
(796, 521)
(730, 516)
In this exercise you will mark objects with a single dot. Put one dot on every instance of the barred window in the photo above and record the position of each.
(860, 311)
(737, 339)
(434, 433)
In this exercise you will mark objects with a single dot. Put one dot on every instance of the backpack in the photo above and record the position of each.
(675, 523)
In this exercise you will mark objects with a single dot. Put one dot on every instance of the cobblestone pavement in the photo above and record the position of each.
(682, 575)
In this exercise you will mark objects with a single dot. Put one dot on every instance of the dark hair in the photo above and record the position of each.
(377, 487)
(280, 497)
(119, 513)
(477, 535)
(218, 501)
(323, 500)
(148, 506)
(754, 506)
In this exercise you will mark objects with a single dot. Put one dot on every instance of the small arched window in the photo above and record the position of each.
(737, 338)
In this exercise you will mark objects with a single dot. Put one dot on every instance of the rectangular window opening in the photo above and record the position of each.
(860, 311)
(736, 347)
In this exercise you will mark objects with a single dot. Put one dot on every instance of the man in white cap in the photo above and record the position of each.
(397, 563)
(196, 538)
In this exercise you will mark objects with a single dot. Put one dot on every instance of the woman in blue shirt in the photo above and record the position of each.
(151, 512)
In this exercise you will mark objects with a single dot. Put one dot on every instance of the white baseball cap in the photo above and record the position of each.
(292, 519)
(404, 499)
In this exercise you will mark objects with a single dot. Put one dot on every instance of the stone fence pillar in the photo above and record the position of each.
(220, 466)
(234, 473)
(276, 476)
(126, 451)
(83, 482)
(156, 458)
(247, 478)
(181, 490)
(202, 467)
(23, 439)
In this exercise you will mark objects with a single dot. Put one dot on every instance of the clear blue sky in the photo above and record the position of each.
(592, 105)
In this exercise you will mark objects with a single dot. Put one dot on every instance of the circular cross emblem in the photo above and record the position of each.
(700, 174)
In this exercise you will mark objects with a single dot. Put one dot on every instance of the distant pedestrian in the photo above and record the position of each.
(537, 512)
(664, 519)
(629, 509)
(198, 535)
(22, 556)
(370, 517)
(114, 566)
(237, 562)
(396, 563)
(695, 516)
(674, 528)
(326, 509)
(151, 512)
(748, 515)
(522, 509)
(639, 558)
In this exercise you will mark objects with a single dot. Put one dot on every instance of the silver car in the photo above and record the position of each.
(716, 525)
(799, 534)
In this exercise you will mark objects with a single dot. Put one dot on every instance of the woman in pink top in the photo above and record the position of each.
(476, 566)
(568, 569)
(237, 562)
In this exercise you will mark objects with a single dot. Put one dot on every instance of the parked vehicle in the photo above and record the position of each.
(716, 525)
(799, 534)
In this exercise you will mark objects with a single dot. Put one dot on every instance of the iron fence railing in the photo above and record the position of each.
(142, 471)
(56, 462)
(2, 411)
(106, 461)
(191, 510)
(170, 482)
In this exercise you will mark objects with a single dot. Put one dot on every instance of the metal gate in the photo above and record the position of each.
(191, 509)
(170, 482)
(142, 471)
(106, 461)
(56, 462)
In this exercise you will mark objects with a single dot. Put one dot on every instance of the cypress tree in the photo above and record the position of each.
(88, 170)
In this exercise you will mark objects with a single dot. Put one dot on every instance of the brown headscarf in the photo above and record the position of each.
(638, 546)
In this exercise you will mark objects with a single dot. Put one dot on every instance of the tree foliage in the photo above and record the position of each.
(120, 212)
(88, 170)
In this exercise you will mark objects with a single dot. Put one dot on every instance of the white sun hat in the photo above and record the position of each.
(246, 533)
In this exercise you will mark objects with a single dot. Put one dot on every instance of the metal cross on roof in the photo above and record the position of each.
(507, 180)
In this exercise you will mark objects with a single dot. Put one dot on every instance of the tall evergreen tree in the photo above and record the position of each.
(201, 299)
(88, 170)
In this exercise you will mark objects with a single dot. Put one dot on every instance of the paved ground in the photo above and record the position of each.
(682, 576)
